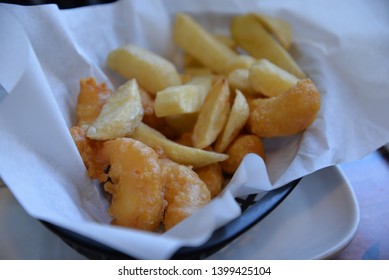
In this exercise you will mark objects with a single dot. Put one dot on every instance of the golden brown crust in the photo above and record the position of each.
(136, 184)
(243, 145)
(90, 100)
(185, 192)
(286, 114)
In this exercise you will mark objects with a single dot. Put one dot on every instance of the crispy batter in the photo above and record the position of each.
(136, 184)
(243, 145)
(286, 114)
(90, 100)
(90, 151)
(212, 176)
(185, 192)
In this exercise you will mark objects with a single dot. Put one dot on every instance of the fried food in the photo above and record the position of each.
(248, 31)
(179, 153)
(242, 146)
(91, 98)
(185, 139)
(177, 100)
(241, 61)
(236, 121)
(136, 184)
(278, 27)
(200, 44)
(181, 123)
(91, 153)
(185, 192)
(165, 148)
(151, 71)
(289, 113)
(239, 79)
(213, 114)
(269, 79)
(119, 116)
(212, 176)
(151, 119)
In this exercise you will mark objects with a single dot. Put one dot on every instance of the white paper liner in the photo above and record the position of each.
(42, 167)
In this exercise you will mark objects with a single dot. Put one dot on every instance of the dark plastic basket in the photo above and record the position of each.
(254, 209)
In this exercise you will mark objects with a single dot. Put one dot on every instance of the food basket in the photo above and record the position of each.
(47, 176)
(254, 209)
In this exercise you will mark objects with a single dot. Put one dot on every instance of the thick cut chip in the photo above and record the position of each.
(286, 114)
(269, 79)
(226, 40)
(250, 34)
(200, 44)
(239, 79)
(182, 99)
(120, 115)
(213, 115)
(241, 61)
(279, 28)
(90, 100)
(151, 71)
(236, 121)
(176, 152)
(135, 183)
(149, 116)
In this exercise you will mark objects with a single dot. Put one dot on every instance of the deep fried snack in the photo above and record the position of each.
(242, 146)
(236, 121)
(151, 119)
(269, 79)
(213, 114)
(250, 34)
(238, 79)
(182, 123)
(200, 44)
(90, 151)
(119, 116)
(185, 192)
(212, 176)
(135, 183)
(179, 153)
(152, 72)
(241, 61)
(286, 114)
(90, 100)
(183, 99)
(279, 28)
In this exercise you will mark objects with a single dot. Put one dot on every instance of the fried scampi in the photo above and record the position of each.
(185, 192)
(135, 183)
(90, 100)
(90, 151)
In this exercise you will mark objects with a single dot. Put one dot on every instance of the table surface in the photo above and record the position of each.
(369, 178)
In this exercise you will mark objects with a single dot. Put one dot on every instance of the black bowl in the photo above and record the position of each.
(254, 209)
